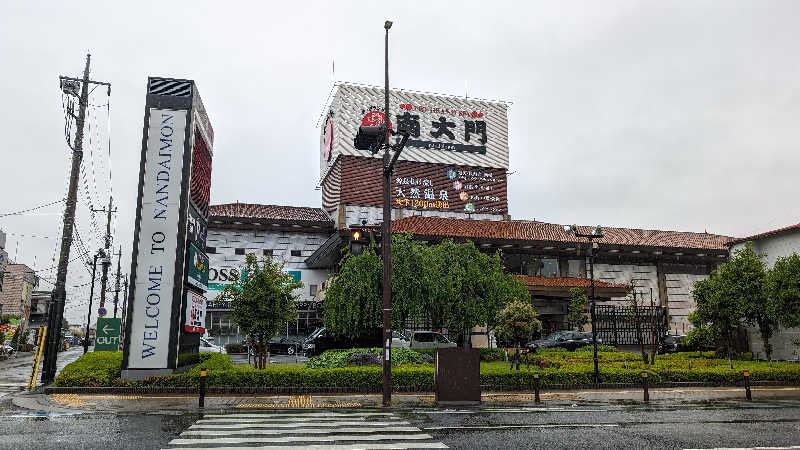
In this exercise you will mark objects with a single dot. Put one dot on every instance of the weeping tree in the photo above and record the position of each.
(445, 285)
(262, 302)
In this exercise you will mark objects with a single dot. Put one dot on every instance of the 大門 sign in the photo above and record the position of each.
(444, 129)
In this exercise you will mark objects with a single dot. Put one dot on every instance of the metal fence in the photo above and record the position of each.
(617, 325)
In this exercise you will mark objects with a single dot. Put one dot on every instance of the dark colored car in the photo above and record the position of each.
(671, 344)
(320, 340)
(569, 340)
(284, 346)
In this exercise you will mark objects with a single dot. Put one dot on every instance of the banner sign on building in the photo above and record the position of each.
(419, 186)
(197, 268)
(444, 129)
(195, 313)
(157, 247)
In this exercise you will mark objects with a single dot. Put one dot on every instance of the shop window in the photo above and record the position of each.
(238, 251)
(543, 267)
(296, 253)
(211, 250)
(267, 252)
(312, 291)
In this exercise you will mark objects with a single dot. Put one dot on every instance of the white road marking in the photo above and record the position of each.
(248, 432)
(237, 426)
(297, 414)
(364, 446)
(286, 439)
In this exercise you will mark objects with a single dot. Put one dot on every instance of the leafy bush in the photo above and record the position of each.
(600, 348)
(235, 347)
(341, 358)
(91, 369)
(492, 354)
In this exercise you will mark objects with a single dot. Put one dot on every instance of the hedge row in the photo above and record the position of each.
(103, 369)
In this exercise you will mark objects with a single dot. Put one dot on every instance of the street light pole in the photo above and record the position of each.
(91, 298)
(596, 233)
(387, 241)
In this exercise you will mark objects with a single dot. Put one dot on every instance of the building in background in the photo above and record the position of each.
(774, 244)
(287, 234)
(3, 259)
(454, 164)
(20, 281)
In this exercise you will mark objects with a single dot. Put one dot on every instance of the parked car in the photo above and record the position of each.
(400, 340)
(282, 346)
(206, 346)
(6, 349)
(430, 339)
(320, 340)
(569, 340)
(671, 344)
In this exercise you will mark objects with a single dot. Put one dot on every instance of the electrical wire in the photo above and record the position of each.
(17, 213)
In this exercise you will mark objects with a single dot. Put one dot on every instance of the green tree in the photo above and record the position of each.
(699, 337)
(353, 300)
(446, 285)
(515, 323)
(576, 312)
(783, 290)
(733, 295)
(262, 302)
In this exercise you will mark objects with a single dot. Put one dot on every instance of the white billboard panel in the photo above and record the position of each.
(444, 129)
(157, 240)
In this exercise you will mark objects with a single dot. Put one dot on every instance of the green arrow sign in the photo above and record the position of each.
(107, 339)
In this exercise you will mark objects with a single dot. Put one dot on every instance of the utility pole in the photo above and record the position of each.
(104, 279)
(116, 288)
(56, 314)
(91, 299)
(124, 306)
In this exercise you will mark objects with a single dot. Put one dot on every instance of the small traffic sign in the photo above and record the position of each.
(102, 311)
(107, 339)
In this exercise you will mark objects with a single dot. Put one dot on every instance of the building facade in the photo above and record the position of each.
(287, 234)
(774, 244)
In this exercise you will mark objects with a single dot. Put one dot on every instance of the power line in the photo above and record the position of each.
(17, 213)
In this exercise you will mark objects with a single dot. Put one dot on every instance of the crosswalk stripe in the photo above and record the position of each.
(298, 414)
(298, 431)
(304, 430)
(285, 439)
(287, 419)
(361, 446)
(236, 426)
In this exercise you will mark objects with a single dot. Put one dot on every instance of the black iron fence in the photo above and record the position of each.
(623, 325)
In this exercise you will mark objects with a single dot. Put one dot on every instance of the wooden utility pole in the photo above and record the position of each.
(59, 296)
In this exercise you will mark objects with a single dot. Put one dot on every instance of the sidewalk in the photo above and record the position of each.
(16, 371)
(659, 398)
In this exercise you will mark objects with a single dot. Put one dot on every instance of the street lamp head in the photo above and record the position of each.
(598, 231)
(387, 24)
(570, 229)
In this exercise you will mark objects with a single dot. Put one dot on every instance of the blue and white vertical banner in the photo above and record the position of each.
(157, 240)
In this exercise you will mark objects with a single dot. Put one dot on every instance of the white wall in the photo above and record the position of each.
(281, 243)
(774, 247)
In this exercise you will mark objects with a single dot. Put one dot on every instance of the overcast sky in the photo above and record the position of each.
(665, 115)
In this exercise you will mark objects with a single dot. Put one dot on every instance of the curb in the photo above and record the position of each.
(222, 390)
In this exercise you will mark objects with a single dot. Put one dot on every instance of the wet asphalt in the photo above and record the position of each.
(774, 424)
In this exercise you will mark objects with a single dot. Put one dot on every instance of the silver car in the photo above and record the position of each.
(430, 339)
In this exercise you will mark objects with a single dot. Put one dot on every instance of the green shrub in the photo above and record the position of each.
(91, 369)
(600, 348)
(492, 354)
(235, 347)
(341, 358)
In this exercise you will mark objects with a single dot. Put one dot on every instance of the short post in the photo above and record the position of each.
(645, 388)
(746, 375)
(203, 387)
(536, 388)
